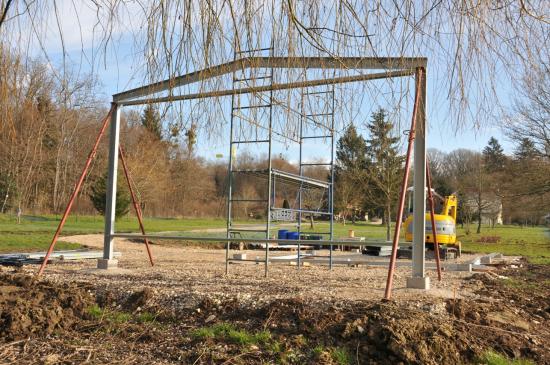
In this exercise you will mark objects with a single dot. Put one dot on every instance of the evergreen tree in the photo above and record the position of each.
(526, 150)
(349, 171)
(98, 196)
(384, 165)
(150, 120)
(493, 156)
(350, 150)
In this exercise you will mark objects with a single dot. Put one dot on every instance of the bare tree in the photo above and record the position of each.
(179, 36)
(530, 117)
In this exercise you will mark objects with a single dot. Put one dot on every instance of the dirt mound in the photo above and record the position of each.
(439, 332)
(31, 307)
(375, 333)
(510, 316)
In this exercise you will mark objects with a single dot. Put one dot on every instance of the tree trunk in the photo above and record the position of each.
(478, 221)
(388, 222)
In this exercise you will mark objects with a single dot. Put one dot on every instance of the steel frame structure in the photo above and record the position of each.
(393, 67)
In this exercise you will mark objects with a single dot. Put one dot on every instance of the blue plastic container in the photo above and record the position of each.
(292, 236)
(282, 234)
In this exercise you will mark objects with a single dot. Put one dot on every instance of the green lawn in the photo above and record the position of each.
(35, 232)
(530, 242)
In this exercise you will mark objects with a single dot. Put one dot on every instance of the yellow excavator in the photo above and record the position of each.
(445, 223)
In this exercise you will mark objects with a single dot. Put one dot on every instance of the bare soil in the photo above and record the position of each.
(138, 314)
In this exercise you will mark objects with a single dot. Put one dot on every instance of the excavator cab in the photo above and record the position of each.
(445, 222)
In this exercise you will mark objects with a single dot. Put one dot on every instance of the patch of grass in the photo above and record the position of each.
(120, 317)
(531, 242)
(95, 311)
(35, 232)
(262, 337)
(341, 356)
(98, 313)
(146, 317)
(81, 224)
(29, 241)
(318, 350)
(494, 358)
(274, 347)
(227, 332)
(203, 333)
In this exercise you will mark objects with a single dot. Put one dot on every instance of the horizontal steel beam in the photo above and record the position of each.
(248, 200)
(302, 211)
(251, 240)
(251, 141)
(257, 89)
(316, 137)
(351, 63)
(246, 230)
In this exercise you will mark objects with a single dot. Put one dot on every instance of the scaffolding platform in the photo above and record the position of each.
(287, 177)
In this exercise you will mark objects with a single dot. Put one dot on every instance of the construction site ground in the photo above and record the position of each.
(185, 310)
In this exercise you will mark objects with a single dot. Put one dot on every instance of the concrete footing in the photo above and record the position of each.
(106, 264)
(418, 283)
(458, 267)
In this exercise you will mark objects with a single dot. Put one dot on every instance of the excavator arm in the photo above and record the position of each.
(450, 206)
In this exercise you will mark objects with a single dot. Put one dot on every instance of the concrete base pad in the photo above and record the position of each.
(107, 264)
(418, 283)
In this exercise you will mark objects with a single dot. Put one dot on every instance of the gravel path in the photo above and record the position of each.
(182, 271)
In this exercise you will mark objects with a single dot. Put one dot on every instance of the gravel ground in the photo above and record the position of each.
(153, 314)
(190, 271)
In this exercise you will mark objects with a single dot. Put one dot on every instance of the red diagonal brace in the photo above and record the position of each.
(404, 183)
(76, 190)
(432, 217)
(137, 208)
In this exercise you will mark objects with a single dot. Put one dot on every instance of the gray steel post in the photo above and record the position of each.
(331, 188)
(110, 207)
(301, 169)
(269, 167)
(419, 198)
(230, 173)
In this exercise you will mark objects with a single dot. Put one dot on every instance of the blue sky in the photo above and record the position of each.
(117, 72)
(444, 136)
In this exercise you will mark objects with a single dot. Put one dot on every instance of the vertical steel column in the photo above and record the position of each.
(230, 172)
(419, 197)
(269, 167)
(301, 171)
(110, 207)
(331, 189)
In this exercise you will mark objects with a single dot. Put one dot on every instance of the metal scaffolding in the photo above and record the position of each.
(244, 108)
